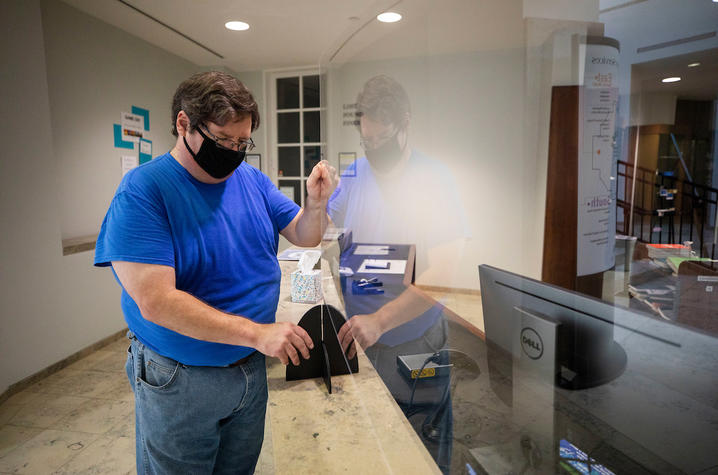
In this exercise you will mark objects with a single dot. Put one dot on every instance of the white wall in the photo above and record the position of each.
(66, 77)
(95, 72)
(467, 112)
(50, 306)
(254, 82)
(649, 108)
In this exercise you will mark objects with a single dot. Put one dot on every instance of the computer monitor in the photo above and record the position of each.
(650, 397)
(566, 336)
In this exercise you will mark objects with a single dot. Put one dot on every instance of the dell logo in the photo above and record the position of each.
(531, 343)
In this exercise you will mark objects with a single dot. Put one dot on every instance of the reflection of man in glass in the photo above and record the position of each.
(396, 195)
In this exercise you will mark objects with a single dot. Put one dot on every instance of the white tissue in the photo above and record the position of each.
(308, 261)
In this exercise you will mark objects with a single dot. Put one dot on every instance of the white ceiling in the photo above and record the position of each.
(292, 33)
(283, 33)
(699, 83)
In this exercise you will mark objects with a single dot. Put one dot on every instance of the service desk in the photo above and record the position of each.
(357, 429)
(659, 415)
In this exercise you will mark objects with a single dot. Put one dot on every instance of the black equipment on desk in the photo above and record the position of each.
(326, 359)
(659, 414)
(563, 335)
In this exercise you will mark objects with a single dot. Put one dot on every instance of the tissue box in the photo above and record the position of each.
(306, 288)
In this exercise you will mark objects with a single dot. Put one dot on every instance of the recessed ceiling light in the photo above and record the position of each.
(388, 17)
(693, 65)
(671, 79)
(236, 25)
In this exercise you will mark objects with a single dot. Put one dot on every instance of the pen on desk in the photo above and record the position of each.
(378, 266)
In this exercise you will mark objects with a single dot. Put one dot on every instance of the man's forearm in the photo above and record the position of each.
(187, 315)
(407, 306)
(312, 224)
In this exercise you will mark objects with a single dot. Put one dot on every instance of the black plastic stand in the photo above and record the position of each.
(326, 359)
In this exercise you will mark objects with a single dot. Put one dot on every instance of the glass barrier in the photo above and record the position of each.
(522, 235)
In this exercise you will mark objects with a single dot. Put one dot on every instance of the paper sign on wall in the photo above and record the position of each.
(133, 126)
(128, 163)
(255, 160)
(145, 151)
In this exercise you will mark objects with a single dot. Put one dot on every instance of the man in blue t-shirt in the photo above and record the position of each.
(192, 239)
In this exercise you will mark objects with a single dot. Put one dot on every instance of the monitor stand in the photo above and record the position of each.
(593, 371)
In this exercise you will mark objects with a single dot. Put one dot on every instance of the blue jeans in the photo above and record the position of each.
(196, 419)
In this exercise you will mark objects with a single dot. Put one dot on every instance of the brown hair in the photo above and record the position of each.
(213, 96)
(385, 100)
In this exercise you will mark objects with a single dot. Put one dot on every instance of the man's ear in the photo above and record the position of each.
(182, 123)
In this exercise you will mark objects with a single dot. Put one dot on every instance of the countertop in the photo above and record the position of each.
(358, 428)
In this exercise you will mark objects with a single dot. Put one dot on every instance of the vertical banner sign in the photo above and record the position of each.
(596, 231)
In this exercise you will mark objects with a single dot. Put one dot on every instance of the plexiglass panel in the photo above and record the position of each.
(523, 228)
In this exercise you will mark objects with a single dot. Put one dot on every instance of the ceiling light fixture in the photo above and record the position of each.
(236, 25)
(693, 65)
(671, 79)
(388, 17)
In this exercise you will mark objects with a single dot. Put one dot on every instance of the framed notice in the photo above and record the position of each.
(288, 191)
(255, 160)
(345, 160)
(133, 126)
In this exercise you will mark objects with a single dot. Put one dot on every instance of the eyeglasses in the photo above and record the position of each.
(241, 146)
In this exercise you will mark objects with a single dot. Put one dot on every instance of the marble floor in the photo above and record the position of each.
(467, 306)
(80, 420)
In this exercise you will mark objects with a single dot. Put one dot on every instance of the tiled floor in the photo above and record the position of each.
(81, 420)
(78, 420)
(467, 306)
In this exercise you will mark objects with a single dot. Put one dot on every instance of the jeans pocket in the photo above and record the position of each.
(130, 366)
(159, 372)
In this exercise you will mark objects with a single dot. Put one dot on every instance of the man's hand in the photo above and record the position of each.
(322, 182)
(366, 329)
(284, 341)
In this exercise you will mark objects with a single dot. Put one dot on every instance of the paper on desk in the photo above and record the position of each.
(365, 250)
(395, 266)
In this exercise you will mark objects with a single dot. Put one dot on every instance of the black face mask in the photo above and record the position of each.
(218, 162)
(385, 157)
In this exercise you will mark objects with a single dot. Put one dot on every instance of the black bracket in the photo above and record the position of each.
(326, 359)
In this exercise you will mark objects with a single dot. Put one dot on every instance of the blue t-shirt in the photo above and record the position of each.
(221, 240)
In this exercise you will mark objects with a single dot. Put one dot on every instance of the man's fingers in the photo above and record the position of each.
(345, 336)
(343, 331)
(297, 343)
(348, 339)
(304, 336)
(352, 350)
(292, 353)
